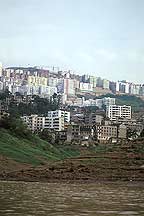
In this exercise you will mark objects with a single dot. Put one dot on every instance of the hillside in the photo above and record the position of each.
(32, 151)
(131, 100)
(136, 103)
(24, 156)
(36, 160)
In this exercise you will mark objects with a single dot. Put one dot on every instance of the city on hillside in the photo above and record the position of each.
(69, 106)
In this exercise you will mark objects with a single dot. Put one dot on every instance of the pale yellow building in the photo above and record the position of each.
(36, 80)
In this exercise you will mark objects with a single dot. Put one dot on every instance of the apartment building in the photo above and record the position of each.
(36, 80)
(123, 87)
(93, 119)
(34, 122)
(54, 121)
(114, 112)
(105, 84)
(86, 87)
(106, 132)
(59, 114)
(66, 86)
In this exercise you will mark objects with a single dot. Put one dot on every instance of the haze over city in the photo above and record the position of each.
(103, 38)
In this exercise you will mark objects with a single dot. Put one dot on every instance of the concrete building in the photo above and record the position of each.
(122, 131)
(59, 114)
(47, 90)
(52, 81)
(122, 87)
(37, 81)
(69, 87)
(142, 90)
(105, 84)
(66, 86)
(86, 87)
(106, 132)
(93, 81)
(135, 89)
(78, 133)
(35, 123)
(112, 86)
(93, 119)
(99, 82)
(73, 133)
(85, 78)
(114, 112)
(54, 123)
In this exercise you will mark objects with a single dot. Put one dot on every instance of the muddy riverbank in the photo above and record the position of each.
(98, 167)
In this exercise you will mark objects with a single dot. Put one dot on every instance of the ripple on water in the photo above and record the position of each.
(131, 213)
(39, 199)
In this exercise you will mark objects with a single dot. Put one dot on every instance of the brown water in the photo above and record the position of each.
(99, 199)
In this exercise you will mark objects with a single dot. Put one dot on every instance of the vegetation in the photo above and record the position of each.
(16, 105)
(18, 143)
(131, 100)
(34, 151)
(135, 102)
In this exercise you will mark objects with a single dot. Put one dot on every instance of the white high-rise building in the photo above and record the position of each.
(66, 86)
(115, 111)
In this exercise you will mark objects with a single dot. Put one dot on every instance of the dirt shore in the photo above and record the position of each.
(98, 167)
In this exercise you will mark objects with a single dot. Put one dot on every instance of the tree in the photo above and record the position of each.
(131, 133)
(47, 135)
(15, 126)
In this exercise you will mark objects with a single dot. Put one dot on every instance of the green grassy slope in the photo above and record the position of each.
(135, 102)
(34, 151)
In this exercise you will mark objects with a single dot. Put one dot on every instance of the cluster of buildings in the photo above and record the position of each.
(84, 128)
(72, 87)
(55, 120)
(76, 126)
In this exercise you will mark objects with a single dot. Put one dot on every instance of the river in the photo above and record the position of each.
(49, 199)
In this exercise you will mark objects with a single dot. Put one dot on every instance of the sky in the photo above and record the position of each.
(98, 37)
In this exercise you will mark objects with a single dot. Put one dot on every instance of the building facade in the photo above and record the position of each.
(114, 112)
(106, 132)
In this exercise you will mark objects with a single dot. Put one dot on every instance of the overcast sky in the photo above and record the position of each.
(100, 37)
